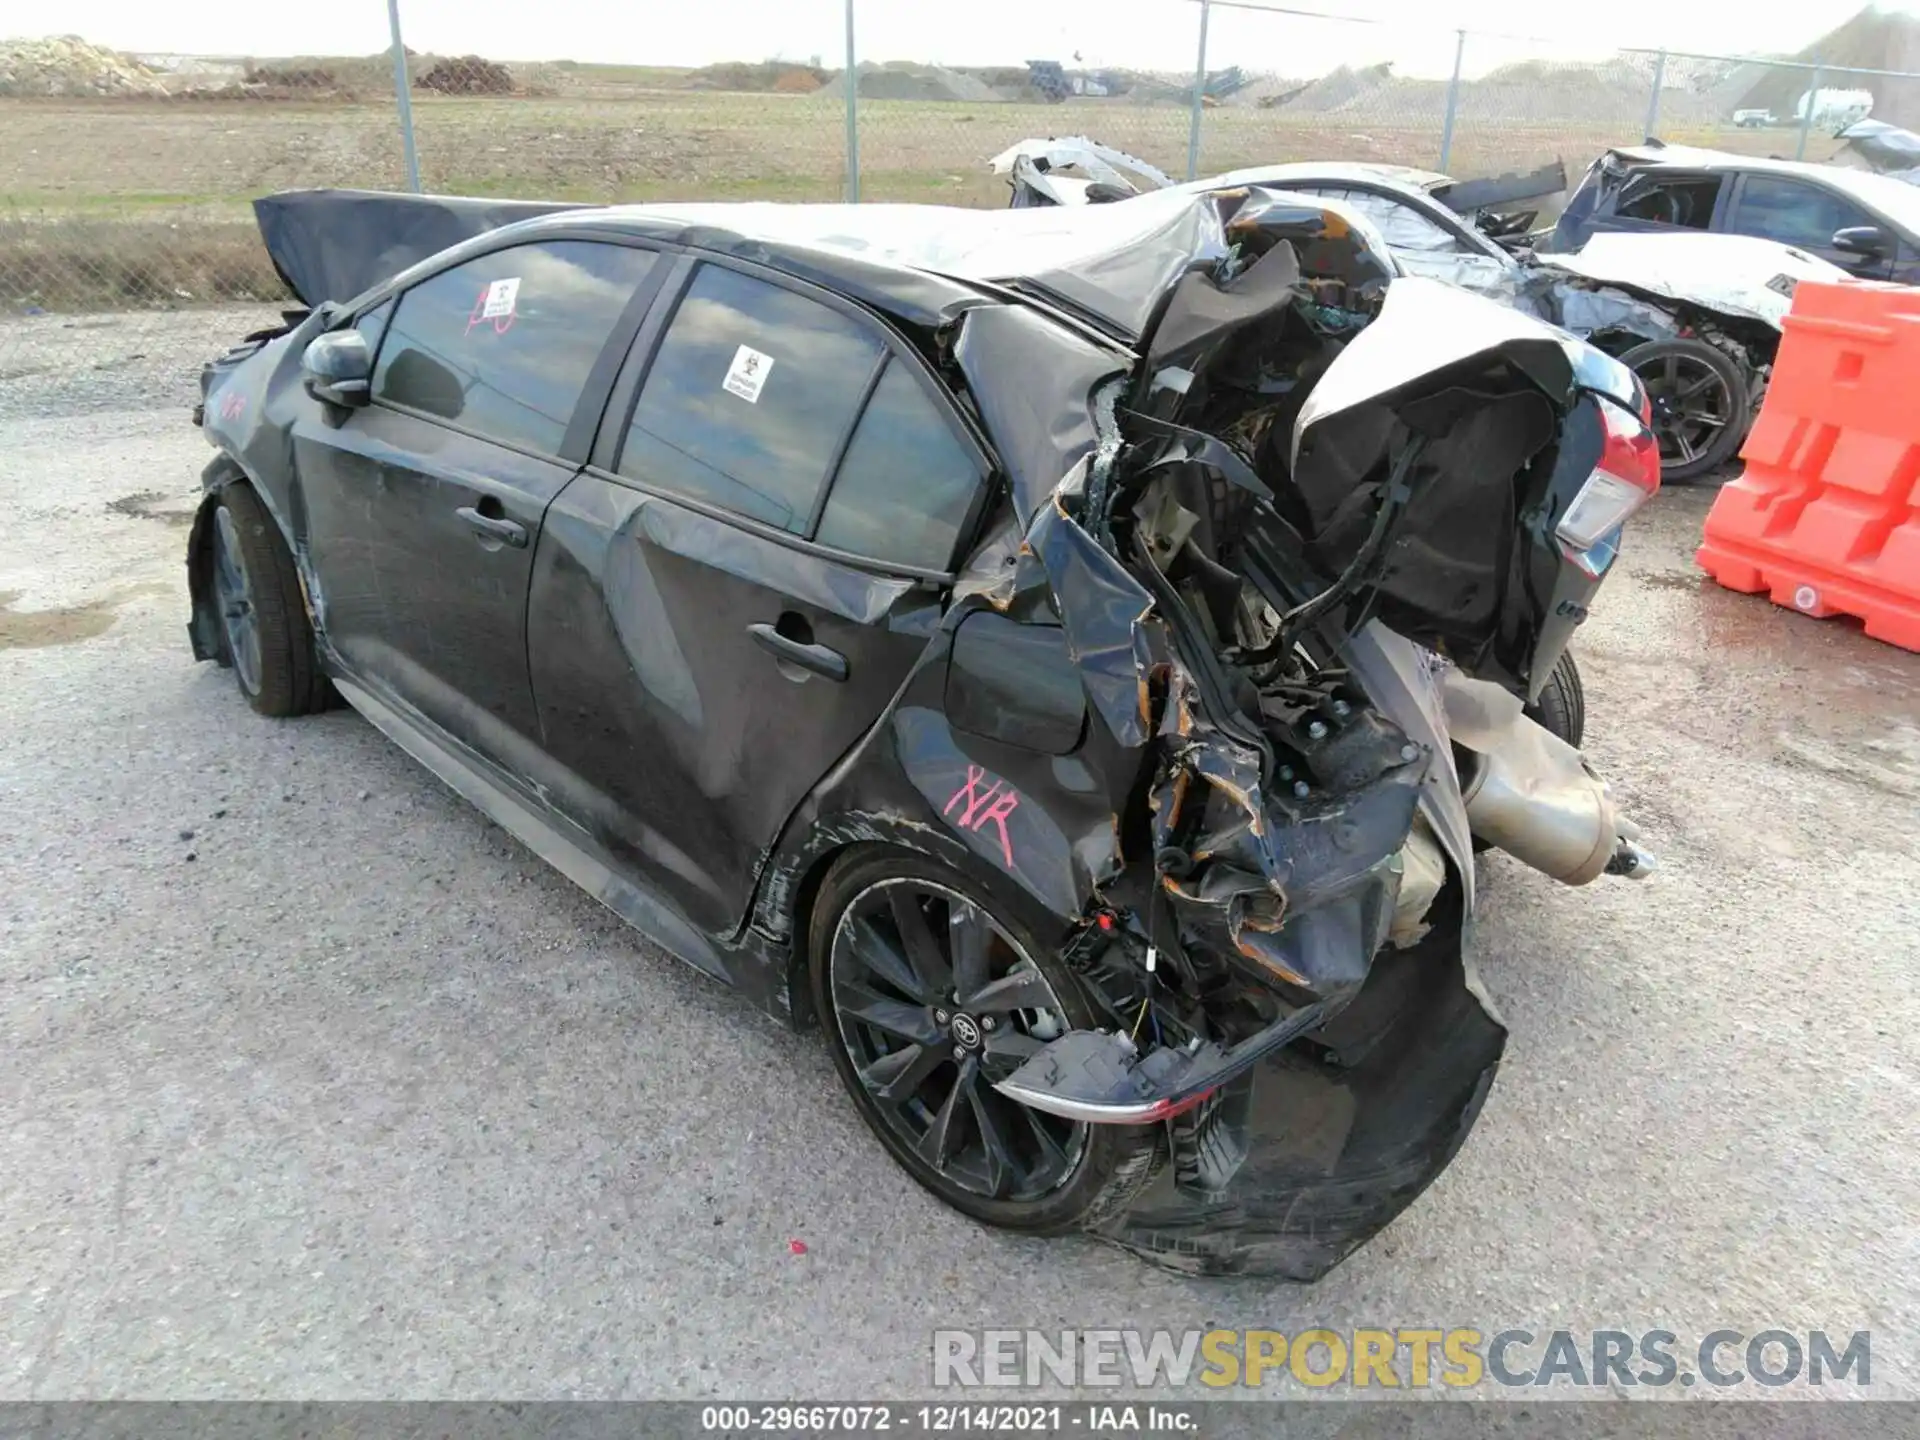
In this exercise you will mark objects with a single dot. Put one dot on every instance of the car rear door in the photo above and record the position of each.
(1805, 215)
(419, 511)
(730, 596)
(1428, 239)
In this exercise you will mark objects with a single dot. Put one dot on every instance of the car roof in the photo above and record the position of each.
(1896, 199)
(1358, 172)
(1107, 262)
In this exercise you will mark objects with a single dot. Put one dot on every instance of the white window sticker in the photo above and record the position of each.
(748, 374)
(501, 295)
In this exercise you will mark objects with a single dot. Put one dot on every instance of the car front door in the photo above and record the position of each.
(420, 510)
(1807, 216)
(1662, 200)
(731, 595)
(1906, 261)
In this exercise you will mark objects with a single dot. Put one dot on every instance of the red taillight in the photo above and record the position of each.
(1626, 478)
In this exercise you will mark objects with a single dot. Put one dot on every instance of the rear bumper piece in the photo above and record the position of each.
(1090, 1075)
(1322, 1150)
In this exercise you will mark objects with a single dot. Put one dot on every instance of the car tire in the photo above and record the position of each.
(1059, 1175)
(265, 638)
(1561, 705)
(1668, 368)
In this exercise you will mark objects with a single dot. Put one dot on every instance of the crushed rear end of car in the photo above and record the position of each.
(1314, 550)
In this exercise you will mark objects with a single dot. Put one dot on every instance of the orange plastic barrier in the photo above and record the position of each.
(1826, 518)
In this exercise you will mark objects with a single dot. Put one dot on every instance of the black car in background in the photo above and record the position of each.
(1867, 224)
(1014, 640)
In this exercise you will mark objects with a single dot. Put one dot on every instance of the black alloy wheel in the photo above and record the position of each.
(1701, 404)
(929, 998)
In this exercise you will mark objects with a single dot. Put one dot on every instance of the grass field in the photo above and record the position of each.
(110, 204)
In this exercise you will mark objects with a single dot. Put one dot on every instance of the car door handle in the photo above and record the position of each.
(505, 531)
(818, 658)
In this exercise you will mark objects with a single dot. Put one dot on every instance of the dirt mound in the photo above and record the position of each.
(1342, 88)
(904, 80)
(759, 78)
(467, 75)
(1874, 39)
(69, 66)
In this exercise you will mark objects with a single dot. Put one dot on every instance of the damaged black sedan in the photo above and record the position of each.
(1070, 655)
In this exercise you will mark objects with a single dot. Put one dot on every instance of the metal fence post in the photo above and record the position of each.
(1653, 101)
(1453, 100)
(1199, 90)
(403, 98)
(1812, 104)
(853, 114)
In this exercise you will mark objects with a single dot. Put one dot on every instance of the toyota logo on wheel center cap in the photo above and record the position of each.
(966, 1031)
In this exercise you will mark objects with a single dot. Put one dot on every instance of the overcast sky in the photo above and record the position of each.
(1160, 34)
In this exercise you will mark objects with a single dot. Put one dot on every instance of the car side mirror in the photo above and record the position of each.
(1869, 241)
(339, 368)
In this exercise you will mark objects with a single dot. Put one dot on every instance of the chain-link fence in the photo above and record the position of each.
(125, 179)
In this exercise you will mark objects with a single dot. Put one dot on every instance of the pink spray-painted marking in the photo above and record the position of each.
(990, 806)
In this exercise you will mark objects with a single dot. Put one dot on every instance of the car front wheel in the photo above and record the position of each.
(1701, 403)
(264, 634)
(929, 994)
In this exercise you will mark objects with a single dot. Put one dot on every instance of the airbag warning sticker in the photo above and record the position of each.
(747, 374)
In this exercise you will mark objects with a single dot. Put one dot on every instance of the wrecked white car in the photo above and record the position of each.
(1695, 316)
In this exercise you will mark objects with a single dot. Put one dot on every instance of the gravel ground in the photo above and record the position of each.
(315, 1083)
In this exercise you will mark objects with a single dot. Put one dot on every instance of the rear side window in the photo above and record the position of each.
(503, 345)
(907, 483)
(1792, 213)
(1400, 224)
(749, 397)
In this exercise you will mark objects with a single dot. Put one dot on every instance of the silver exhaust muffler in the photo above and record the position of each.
(1531, 794)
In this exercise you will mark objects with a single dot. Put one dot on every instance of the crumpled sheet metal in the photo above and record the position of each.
(1304, 892)
(1103, 610)
(1886, 147)
(1736, 275)
(1424, 327)
(1032, 381)
(1110, 260)
(335, 244)
(1097, 161)
(1586, 310)
(1202, 312)
(1334, 1151)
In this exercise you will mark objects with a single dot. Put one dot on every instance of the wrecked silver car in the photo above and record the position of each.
(1696, 316)
(1072, 656)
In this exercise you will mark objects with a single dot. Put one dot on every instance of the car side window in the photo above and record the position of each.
(503, 344)
(1403, 227)
(1776, 208)
(907, 484)
(1683, 200)
(373, 324)
(748, 398)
